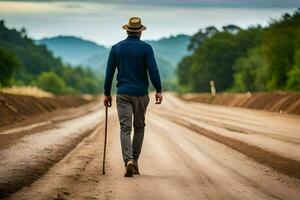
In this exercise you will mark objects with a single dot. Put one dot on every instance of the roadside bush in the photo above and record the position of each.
(51, 82)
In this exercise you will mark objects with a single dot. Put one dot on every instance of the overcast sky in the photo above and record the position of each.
(218, 3)
(101, 21)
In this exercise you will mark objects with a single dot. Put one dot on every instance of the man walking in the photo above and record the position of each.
(134, 60)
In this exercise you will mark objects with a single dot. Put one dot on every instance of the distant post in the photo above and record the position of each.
(212, 88)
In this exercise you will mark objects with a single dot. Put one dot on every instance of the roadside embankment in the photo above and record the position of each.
(288, 103)
(17, 108)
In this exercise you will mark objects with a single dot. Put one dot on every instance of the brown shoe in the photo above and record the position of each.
(129, 169)
(136, 168)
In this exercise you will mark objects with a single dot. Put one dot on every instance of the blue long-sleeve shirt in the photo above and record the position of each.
(134, 60)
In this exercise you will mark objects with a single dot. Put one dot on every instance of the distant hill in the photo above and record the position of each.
(34, 59)
(77, 51)
(73, 50)
(171, 49)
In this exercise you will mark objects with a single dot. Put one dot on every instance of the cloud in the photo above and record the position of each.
(72, 6)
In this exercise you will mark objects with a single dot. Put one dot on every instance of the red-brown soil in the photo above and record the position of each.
(275, 102)
(17, 108)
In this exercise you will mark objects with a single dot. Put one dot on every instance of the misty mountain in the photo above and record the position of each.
(171, 49)
(76, 51)
(71, 49)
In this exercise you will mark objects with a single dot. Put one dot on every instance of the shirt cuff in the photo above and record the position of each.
(107, 93)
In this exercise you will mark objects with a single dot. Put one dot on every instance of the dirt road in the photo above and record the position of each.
(191, 151)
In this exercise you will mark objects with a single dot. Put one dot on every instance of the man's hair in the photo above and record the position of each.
(137, 34)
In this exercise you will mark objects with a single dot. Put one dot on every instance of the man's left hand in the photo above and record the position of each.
(158, 98)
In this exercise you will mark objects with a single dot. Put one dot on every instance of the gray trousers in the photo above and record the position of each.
(128, 107)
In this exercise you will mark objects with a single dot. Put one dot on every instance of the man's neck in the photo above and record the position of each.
(133, 37)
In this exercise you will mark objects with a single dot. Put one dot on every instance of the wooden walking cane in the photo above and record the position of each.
(105, 140)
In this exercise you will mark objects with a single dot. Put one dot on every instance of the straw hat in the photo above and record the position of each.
(134, 25)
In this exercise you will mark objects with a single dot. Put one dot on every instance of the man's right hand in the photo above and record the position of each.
(158, 98)
(107, 101)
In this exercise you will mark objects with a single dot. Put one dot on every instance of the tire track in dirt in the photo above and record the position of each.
(277, 162)
(277, 146)
(187, 158)
(31, 157)
(283, 147)
(10, 136)
(79, 167)
(239, 129)
(250, 121)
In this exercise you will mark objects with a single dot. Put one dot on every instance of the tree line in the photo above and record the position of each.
(23, 62)
(253, 59)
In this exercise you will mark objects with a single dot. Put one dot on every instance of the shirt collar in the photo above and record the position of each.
(133, 37)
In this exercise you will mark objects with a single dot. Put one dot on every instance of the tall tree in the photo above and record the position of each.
(8, 65)
(282, 39)
(214, 58)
